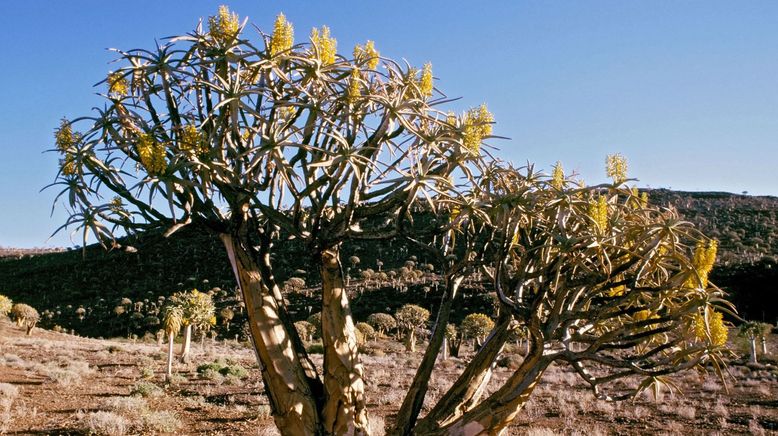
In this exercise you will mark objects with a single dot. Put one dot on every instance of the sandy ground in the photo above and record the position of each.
(54, 383)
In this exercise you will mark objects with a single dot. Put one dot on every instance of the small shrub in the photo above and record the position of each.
(215, 366)
(177, 379)
(235, 370)
(147, 372)
(146, 390)
(8, 394)
(264, 411)
(161, 422)
(105, 424)
(212, 375)
(125, 406)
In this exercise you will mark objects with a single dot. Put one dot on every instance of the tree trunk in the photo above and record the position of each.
(455, 345)
(170, 338)
(494, 414)
(414, 399)
(410, 340)
(444, 353)
(466, 391)
(764, 345)
(186, 345)
(753, 350)
(30, 326)
(344, 408)
(290, 379)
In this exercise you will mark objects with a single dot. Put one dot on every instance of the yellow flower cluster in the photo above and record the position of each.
(718, 331)
(327, 45)
(425, 83)
(702, 261)
(478, 125)
(283, 36)
(616, 167)
(354, 87)
(68, 165)
(152, 154)
(644, 199)
(192, 141)
(367, 53)
(642, 315)
(117, 84)
(598, 212)
(116, 203)
(558, 176)
(64, 137)
(224, 26)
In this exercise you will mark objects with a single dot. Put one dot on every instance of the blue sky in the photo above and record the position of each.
(687, 90)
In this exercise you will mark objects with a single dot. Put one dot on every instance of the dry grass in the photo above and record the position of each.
(191, 404)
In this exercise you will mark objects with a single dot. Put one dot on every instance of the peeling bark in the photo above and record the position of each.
(494, 414)
(169, 372)
(344, 408)
(186, 345)
(466, 391)
(410, 340)
(414, 399)
(291, 383)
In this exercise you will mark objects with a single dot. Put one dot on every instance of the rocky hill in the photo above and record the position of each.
(61, 282)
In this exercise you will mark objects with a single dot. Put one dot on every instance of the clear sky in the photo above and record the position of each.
(687, 90)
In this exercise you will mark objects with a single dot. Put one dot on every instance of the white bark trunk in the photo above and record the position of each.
(186, 345)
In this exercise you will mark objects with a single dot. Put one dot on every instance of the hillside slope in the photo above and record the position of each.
(61, 282)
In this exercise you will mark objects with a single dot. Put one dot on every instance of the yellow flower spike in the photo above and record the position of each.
(191, 140)
(451, 118)
(283, 35)
(354, 87)
(64, 137)
(558, 176)
(327, 45)
(644, 199)
(151, 154)
(117, 84)
(224, 26)
(372, 55)
(616, 167)
(477, 127)
(642, 315)
(68, 165)
(425, 84)
(368, 54)
(598, 212)
(703, 260)
(718, 331)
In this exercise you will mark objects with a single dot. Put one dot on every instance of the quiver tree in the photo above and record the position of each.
(305, 330)
(476, 326)
(226, 315)
(603, 282)
(198, 312)
(5, 305)
(172, 320)
(382, 322)
(25, 316)
(409, 318)
(752, 331)
(259, 140)
(368, 333)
